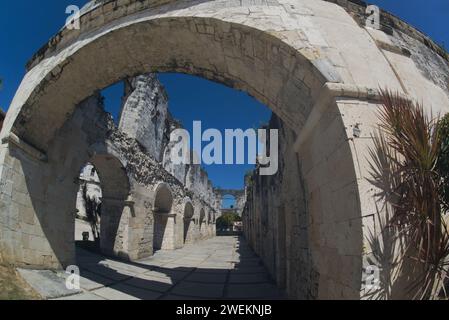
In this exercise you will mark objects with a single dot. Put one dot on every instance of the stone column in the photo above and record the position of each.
(115, 228)
(37, 224)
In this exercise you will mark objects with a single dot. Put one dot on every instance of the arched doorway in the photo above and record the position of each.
(88, 207)
(188, 217)
(164, 220)
(115, 210)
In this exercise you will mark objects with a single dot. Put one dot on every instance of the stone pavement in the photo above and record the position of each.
(218, 268)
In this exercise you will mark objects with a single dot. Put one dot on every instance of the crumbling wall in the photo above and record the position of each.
(178, 170)
(144, 113)
(143, 139)
(127, 224)
(147, 172)
(145, 117)
(432, 65)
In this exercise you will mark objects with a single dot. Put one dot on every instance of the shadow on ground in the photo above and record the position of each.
(214, 269)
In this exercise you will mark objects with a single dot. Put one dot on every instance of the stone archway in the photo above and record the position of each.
(115, 209)
(238, 196)
(88, 207)
(309, 61)
(188, 218)
(164, 219)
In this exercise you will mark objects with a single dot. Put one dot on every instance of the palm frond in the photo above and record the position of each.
(404, 167)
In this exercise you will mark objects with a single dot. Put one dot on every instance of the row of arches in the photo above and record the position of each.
(175, 227)
(175, 222)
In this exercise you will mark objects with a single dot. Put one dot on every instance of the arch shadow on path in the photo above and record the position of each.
(215, 269)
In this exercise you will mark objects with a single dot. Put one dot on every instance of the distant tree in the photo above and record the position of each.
(227, 220)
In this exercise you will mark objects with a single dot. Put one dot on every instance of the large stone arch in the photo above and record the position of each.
(117, 207)
(309, 61)
(125, 49)
(238, 195)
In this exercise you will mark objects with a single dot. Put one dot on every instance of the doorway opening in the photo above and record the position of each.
(164, 221)
(188, 216)
(88, 208)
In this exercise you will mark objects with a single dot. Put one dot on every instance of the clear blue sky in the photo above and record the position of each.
(26, 25)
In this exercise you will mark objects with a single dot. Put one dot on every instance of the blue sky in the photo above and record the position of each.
(26, 25)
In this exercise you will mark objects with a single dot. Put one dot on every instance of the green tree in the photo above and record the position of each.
(442, 165)
(227, 220)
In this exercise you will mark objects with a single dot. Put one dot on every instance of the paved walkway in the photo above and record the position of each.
(218, 268)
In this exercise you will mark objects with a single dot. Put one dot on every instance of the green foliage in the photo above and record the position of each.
(227, 220)
(442, 166)
(409, 167)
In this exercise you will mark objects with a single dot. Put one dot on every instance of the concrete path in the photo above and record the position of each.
(218, 268)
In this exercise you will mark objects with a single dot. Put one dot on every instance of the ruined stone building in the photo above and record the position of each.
(315, 63)
(146, 123)
(145, 118)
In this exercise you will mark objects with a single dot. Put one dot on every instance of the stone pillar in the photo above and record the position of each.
(189, 225)
(37, 224)
(115, 228)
